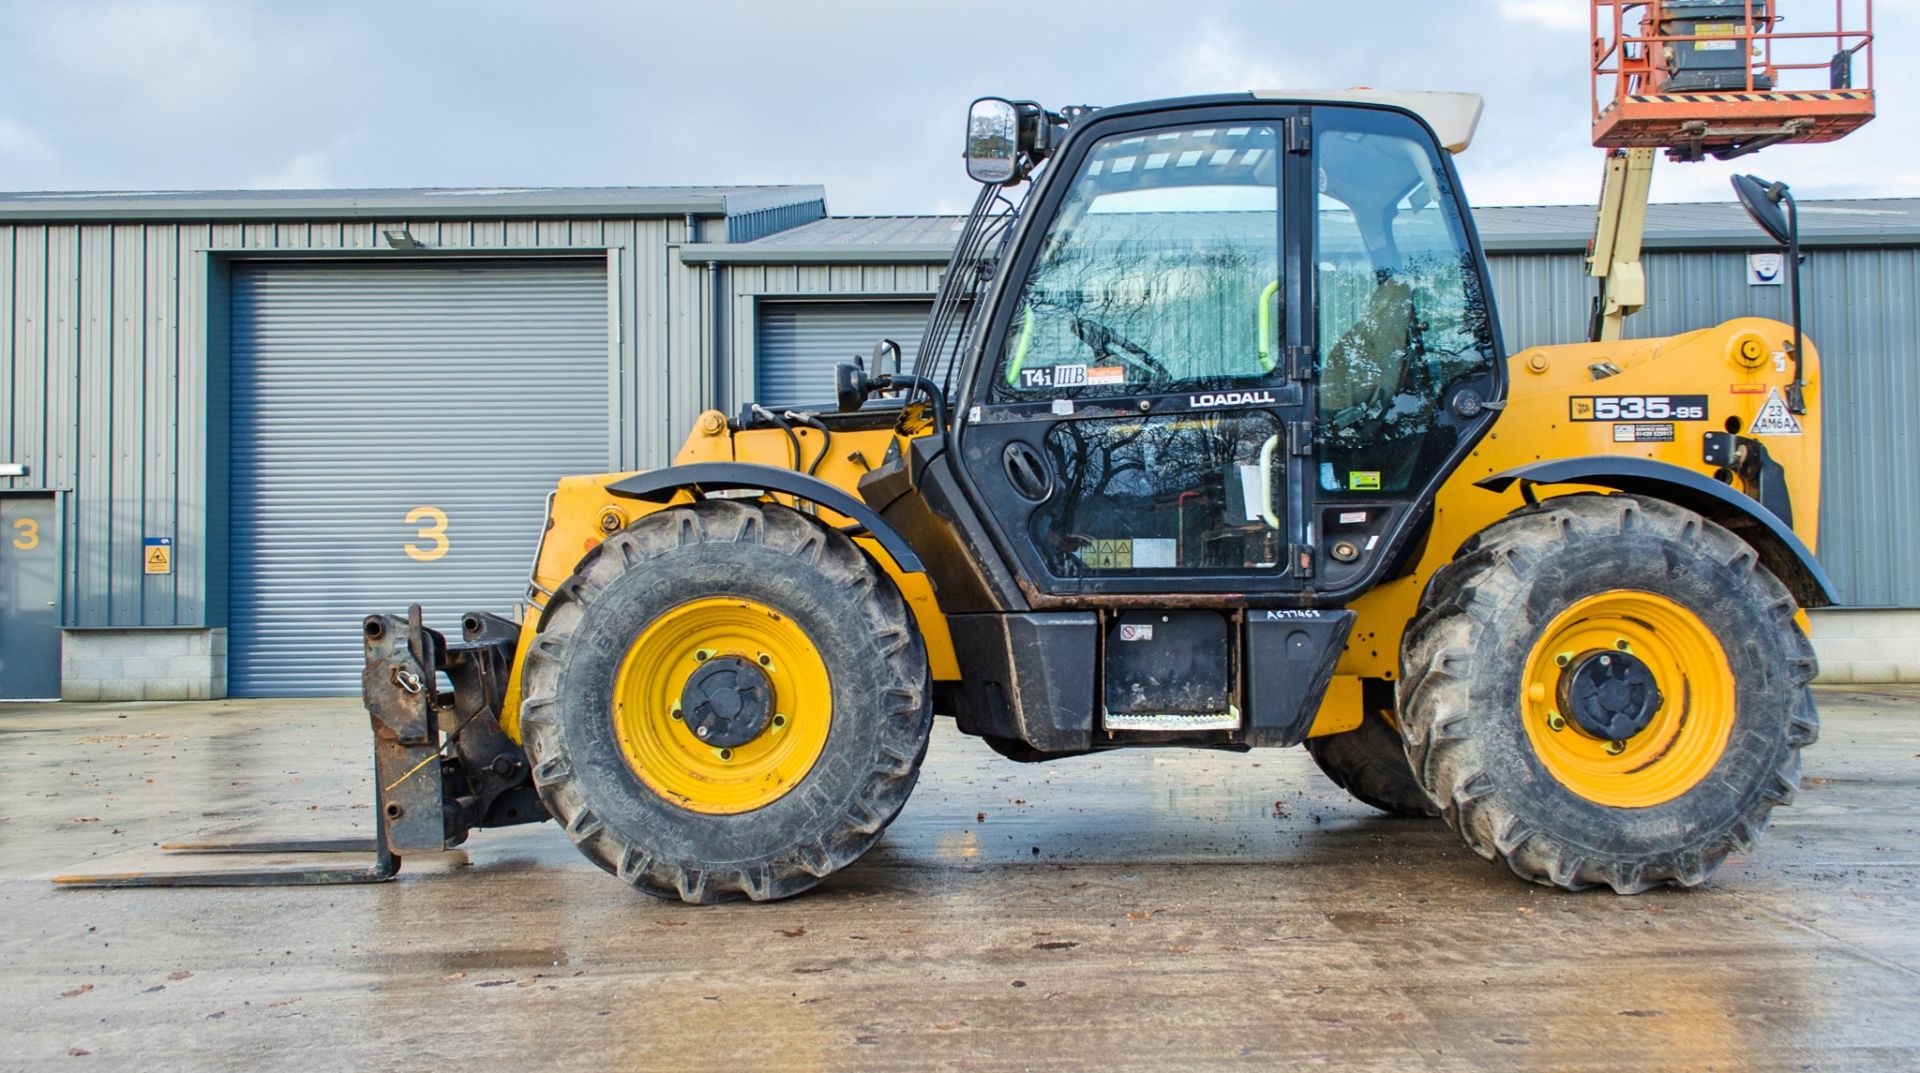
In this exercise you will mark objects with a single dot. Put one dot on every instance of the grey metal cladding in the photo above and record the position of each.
(395, 430)
(801, 342)
(107, 390)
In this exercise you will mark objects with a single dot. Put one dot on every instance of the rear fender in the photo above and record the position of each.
(1780, 549)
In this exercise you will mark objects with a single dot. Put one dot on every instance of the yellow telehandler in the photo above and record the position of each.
(1211, 441)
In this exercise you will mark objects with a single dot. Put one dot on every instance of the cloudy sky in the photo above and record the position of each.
(862, 96)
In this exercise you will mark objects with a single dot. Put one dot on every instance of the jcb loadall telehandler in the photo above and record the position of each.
(1211, 441)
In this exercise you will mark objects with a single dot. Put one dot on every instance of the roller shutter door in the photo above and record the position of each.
(800, 342)
(395, 432)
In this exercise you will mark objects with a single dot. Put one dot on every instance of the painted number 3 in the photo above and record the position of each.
(432, 532)
(26, 534)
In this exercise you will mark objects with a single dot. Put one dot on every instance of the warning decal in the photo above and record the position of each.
(1774, 419)
(157, 552)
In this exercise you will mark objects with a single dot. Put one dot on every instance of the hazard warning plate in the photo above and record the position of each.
(1774, 419)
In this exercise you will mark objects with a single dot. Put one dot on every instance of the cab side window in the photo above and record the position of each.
(1401, 320)
(1160, 272)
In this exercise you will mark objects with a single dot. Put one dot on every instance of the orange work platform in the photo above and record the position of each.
(1724, 78)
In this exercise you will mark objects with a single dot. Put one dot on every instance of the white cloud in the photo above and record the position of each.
(1552, 14)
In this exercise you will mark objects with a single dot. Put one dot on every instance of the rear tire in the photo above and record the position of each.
(1370, 762)
(1568, 582)
(744, 585)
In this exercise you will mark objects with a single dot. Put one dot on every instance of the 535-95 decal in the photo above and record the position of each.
(1639, 408)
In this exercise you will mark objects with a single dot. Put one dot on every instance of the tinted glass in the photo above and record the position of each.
(1402, 320)
(1181, 492)
(1155, 272)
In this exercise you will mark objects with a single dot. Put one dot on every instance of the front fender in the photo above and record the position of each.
(700, 478)
(1780, 549)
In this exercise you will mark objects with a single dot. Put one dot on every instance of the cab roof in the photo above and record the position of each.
(1453, 116)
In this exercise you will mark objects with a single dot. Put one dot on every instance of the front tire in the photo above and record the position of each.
(1370, 762)
(727, 699)
(1607, 690)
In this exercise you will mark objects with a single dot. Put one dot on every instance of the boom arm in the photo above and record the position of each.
(1614, 256)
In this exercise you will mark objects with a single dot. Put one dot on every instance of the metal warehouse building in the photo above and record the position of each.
(236, 422)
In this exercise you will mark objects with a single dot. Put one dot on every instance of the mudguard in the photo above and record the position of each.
(1781, 549)
(699, 478)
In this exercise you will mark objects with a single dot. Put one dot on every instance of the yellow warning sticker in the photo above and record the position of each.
(1108, 554)
(158, 554)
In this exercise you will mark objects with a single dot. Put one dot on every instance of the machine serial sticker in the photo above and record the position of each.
(1639, 408)
(1136, 633)
(1774, 419)
(1289, 615)
(1352, 517)
(1660, 433)
(1367, 480)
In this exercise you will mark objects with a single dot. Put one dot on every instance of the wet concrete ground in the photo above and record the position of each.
(1149, 910)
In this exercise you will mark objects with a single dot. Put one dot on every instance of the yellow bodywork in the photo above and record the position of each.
(1736, 365)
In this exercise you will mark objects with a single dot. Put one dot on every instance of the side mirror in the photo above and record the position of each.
(993, 140)
(1762, 200)
(881, 351)
(850, 385)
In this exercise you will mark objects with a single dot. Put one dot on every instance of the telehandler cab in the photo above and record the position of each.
(1211, 441)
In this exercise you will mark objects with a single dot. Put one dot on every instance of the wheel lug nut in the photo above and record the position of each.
(676, 713)
(1556, 722)
(700, 732)
(726, 754)
(779, 720)
(1615, 748)
(1563, 659)
(1622, 645)
(766, 660)
(702, 656)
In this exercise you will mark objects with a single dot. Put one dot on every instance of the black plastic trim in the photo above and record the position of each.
(661, 485)
(1803, 573)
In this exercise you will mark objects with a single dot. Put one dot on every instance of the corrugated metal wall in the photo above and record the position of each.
(104, 384)
(334, 513)
(1861, 309)
(801, 342)
(748, 285)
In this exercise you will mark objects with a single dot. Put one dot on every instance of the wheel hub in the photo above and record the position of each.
(728, 702)
(1609, 695)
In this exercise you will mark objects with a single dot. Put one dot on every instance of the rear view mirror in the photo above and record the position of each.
(1762, 200)
(886, 358)
(993, 140)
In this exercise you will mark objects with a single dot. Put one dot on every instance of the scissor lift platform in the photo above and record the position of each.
(1721, 78)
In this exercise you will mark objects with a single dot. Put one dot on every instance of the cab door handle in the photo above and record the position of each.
(1027, 471)
(1267, 450)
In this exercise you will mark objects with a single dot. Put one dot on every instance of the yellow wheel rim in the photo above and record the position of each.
(1686, 735)
(653, 731)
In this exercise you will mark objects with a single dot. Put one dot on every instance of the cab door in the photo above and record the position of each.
(1136, 424)
(1407, 353)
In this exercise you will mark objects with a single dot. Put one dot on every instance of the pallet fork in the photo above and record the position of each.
(442, 764)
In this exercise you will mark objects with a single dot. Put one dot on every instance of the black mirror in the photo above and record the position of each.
(1762, 200)
(850, 385)
(993, 140)
(882, 350)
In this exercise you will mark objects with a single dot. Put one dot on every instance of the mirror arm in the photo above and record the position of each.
(1796, 391)
(917, 383)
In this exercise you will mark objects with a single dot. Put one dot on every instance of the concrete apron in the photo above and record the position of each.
(1165, 910)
